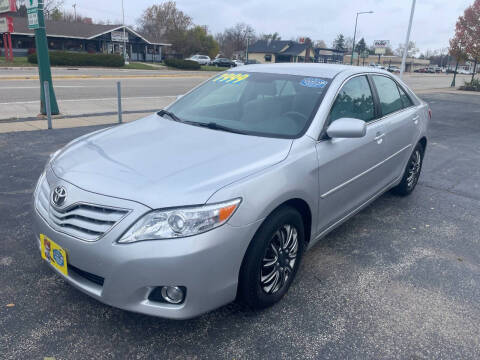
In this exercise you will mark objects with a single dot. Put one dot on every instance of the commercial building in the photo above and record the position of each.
(270, 51)
(411, 64)
(276, 51)
(92, 38)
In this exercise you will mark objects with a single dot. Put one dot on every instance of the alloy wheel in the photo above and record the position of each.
(279, 259)
(414, 169)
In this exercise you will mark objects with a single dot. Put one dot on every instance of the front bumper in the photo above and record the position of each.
(207, 265)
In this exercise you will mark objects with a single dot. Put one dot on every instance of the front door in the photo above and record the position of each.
(351, 170)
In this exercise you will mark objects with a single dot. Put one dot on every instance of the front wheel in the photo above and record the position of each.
(272, 259)
(411, 173)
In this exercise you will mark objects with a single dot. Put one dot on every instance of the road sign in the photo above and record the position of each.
(380, 51)
(7, 6)
(118, 36)
(381, 43)
(32, 15)
(31, 4)
(6, 24)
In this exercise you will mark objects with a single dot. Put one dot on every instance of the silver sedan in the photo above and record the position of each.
(217, 197)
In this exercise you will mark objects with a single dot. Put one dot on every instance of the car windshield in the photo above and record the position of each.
(274, 105)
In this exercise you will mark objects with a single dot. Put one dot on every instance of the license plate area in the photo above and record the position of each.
(53, 254)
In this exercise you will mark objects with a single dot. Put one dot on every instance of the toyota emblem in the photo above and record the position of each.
(59, 195)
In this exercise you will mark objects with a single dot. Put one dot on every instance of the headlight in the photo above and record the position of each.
(180, 222)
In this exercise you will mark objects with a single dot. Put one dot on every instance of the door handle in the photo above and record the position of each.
(415, 119)
(379, 137)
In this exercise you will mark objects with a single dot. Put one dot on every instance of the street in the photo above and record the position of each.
(142, 91)
(400, 280)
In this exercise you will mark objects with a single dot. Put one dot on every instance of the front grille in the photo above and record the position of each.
(84, 221)
(86, 275)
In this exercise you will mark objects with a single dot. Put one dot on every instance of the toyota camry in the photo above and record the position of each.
(218, 196)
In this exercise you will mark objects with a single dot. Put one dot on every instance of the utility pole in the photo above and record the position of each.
(36, 21)
(407, 40)
(75, 11)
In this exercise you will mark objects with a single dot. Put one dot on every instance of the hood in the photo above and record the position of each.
(162, 163)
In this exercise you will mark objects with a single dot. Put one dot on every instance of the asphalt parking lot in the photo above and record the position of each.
(399, 280)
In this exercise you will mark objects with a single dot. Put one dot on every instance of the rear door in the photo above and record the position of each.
(401, 123)
(351, 171)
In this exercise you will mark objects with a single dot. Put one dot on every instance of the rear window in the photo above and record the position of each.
(406, 101)
(388, 94)
(275, 105)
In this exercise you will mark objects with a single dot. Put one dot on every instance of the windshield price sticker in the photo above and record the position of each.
(313, 83)
(231, 78)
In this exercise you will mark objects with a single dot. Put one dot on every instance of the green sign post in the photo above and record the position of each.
(36, 21)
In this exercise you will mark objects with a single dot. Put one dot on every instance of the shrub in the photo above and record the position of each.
(65, 58)
(182, 64)
(473, 85)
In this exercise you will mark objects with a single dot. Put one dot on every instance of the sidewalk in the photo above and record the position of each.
(95, 112)
(28, 110)
(31, 73)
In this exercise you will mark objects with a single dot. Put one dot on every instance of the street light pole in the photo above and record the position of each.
(407, 40)
(355, 32)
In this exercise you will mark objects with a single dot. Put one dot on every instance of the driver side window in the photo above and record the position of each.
(355, 100)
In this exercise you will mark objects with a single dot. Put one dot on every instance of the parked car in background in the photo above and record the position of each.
(464, 72)
(238, 62)
(393, 69)
(223, 62)
(201, 59)
(219, 195)
(421, 70)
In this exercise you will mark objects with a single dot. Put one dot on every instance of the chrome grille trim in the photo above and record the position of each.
(85, 221)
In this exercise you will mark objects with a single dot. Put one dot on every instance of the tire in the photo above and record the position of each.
(411, 173)
(259, 262)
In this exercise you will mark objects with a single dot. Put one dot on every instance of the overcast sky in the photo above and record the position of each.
(433, 24)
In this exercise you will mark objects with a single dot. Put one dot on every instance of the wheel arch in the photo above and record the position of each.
(423, 142)
(303, 208)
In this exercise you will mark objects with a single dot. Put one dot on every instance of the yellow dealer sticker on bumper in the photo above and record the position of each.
(231, 78)
(54, 254)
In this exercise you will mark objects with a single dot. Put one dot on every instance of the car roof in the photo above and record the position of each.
(308, 69)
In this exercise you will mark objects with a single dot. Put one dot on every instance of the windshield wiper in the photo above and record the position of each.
(170, 115)
(210, 125)
(215, 126)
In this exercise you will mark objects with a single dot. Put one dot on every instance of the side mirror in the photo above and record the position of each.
(347, 128)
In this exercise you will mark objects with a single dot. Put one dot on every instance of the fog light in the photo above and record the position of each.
(173, 294)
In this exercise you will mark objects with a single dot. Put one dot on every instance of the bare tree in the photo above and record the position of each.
(51, 6)
(274, 36)
(234, 39)
(411, 51)
(164, 21)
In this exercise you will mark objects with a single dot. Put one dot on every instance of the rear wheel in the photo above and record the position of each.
(412, 172)
(272, 259)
